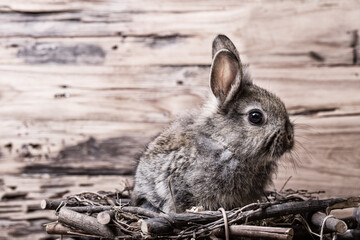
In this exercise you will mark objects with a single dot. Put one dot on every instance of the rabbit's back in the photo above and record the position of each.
(185, 167)
(160, 170)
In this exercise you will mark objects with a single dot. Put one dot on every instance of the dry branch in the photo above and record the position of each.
(84, 223)
(303, 207)
(47, 204)
(159, 225)
(257, 232)
(90, 209)
(58, 228)
(54, 204)
(115, 219)
(140, 211)
(333, 224)
(183, 219)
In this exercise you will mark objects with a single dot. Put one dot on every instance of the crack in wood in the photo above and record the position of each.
(342, 115)
(312, 111)
(36, 12)
(337, 65)
(48, 53)
(354, 45)
(107, 150)
(316, 56)
(156, 36)
(312, 54)
(355, 39)
(206, 66)
(79, 171)
(153, 40)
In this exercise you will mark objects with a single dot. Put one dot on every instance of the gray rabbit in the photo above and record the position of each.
(225, 154)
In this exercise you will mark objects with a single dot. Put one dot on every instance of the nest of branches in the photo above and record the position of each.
(285, 214)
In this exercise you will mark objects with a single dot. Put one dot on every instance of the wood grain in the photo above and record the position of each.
(84, 85)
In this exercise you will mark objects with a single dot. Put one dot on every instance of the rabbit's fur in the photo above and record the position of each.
(217, 157)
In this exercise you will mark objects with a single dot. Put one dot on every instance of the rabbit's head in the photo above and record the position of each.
(249, 119)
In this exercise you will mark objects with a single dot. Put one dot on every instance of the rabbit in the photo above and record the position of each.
(223, 155)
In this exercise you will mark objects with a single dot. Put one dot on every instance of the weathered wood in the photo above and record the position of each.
(318, 46)
(90, 209)
(51, 204)
(332, 223)
(13, 195)
(129, 67)
(141, 211)
(105, 217)
(55, 204)
(162, 223)
(15, 224)
(158, 225)
(130, 209)
(84, 223)
(257, 232)
(322, 122)
(58, 228)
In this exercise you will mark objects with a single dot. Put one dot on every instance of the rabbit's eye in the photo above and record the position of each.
(256, 117)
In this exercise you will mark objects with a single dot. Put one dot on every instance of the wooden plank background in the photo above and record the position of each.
(84, 85)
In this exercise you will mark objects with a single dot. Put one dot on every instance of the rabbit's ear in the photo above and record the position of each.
(225, 76)
(223, 42)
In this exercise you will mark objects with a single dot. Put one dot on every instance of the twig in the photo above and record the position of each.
(183, 219)
(282, 188)
(257, 232)
(140, 211)
(114, 219)
(90, 209)
(84, 223)
(54, 204)
(333, 224)
(58, 228)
